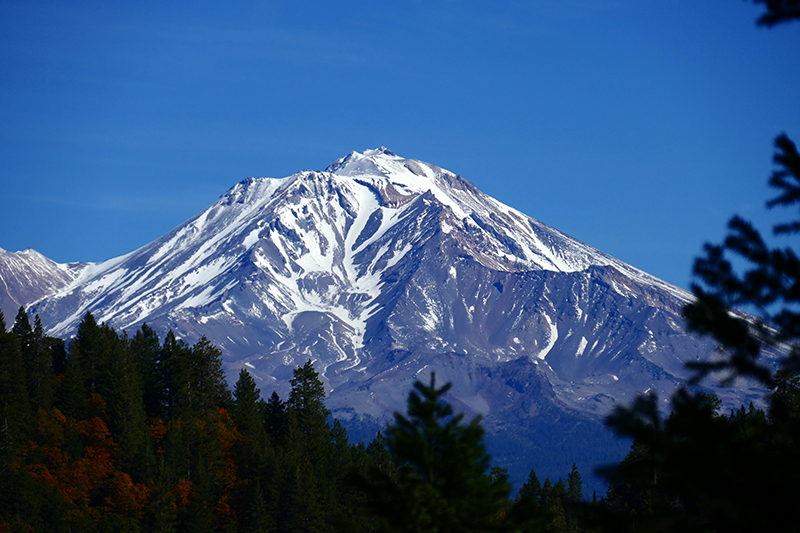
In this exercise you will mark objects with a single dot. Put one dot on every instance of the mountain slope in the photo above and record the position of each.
(27, 276)
(381, 269)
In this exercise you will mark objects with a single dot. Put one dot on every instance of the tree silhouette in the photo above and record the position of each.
(441, 483)
(779, 11)
(770, 285)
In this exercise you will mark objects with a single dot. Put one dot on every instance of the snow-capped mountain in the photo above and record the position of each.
(27, 276)
(381, 269)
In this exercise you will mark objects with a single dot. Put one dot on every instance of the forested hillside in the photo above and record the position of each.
(120, 433)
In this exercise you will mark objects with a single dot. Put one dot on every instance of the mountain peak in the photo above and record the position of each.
(366, 162)
(378, 151)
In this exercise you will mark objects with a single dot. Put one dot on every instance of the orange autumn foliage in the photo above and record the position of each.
(78, 479)
(124, 496)
(183, 491)
(158, 430)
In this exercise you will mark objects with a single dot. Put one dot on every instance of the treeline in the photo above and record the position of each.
(120, 433)
(132, 434)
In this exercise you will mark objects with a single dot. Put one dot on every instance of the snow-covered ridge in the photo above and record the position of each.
(324, 240)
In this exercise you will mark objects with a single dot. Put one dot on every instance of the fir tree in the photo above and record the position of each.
(211, 388)
(127, 417)
(441, 484)
(254, 449)
(531, 491)
(39, 369)
(175, 376)
(574, 485)
(145, 347)
(307, 397)
(275, 418)
(14, 405)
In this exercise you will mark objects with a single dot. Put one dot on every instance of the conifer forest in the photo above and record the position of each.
(111, 432)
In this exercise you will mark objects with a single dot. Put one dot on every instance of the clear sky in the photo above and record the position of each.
(638, 127)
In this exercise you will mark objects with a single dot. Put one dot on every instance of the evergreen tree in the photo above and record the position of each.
(531, 491)
(258, 518)
(39, 368)
(380, 458)
(14, 405)
(175, 376)
(574, 497)
(254, 449)
(22, 329)
(146, 348)
(701, 470)
(441, 484)
(306, 405)
(211, 388)
(574, 485)
(127, 417)
(89, 366)
(307, 397)
(275, 419)
(304, 511)
(770, 285)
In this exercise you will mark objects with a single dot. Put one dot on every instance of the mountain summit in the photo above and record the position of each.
(382, 269)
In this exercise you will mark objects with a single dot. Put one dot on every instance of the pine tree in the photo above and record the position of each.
(39, 369)
(22, 329)
(258, 518)
(14, 405)
(211, 388)
(275, 419)
(379, 455)
(531, 491)
(254, 450)
(441, 484)
(146, 348)
(574, 485)
(127, 417)
(306, 405)
(89, 366)
(304, 511)
(175, 375)
(307, 397)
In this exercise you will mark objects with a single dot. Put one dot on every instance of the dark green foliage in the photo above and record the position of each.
(779, 11)
(307, 398)
(696, 469)
(441, 483)
(88, 367)
(127, 416)
(14, 405)
(39, 368)
(699, 470)
(175, 376)
(257, 517)
(145, 437)
(22, 329)
(254, 450)
(210, 386)
(146, 347)
(771, 285)
(379, 456)
(275, 418)
(531, 491)
(574, 485)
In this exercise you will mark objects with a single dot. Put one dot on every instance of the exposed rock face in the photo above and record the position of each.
(382, 269)
(27, 276)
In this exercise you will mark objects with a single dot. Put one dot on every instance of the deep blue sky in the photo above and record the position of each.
(636, 126)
